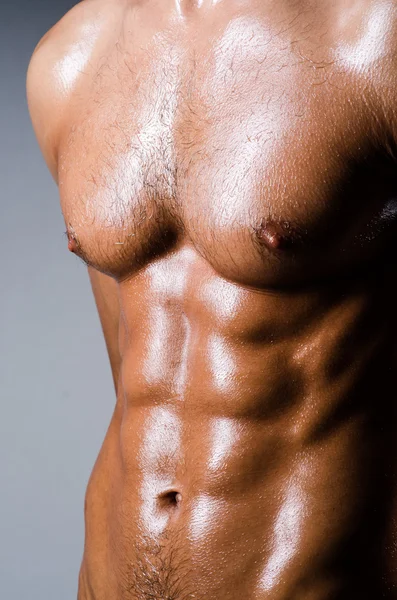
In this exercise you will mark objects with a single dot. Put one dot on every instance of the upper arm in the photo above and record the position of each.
(57, 76)
(48, 97)
(60, 68)
(107, 301)
(45, 102)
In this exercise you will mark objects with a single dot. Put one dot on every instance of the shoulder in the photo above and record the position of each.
(365, 58)
(383, 27)
(366, 36)
(61, 63)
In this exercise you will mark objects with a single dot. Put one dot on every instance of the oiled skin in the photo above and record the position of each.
(229, 169)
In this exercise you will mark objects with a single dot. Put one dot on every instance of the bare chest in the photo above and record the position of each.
(258, 151)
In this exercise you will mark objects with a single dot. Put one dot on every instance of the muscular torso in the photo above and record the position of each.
(231, 168)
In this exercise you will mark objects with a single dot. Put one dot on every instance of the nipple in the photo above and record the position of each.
(276, 235)
(72, 245)
(72, 241)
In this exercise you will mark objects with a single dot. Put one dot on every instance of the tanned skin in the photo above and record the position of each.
(227, 171)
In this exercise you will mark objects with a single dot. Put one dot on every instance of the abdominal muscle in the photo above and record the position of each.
(247, 456)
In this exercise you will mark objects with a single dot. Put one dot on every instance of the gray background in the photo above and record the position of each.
(55, 383)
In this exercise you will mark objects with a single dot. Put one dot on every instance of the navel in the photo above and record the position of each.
(170, 499)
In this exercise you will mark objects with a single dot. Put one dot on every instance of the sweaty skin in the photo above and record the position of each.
(227, 171)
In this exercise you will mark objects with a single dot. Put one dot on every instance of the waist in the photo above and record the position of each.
(238, 507)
